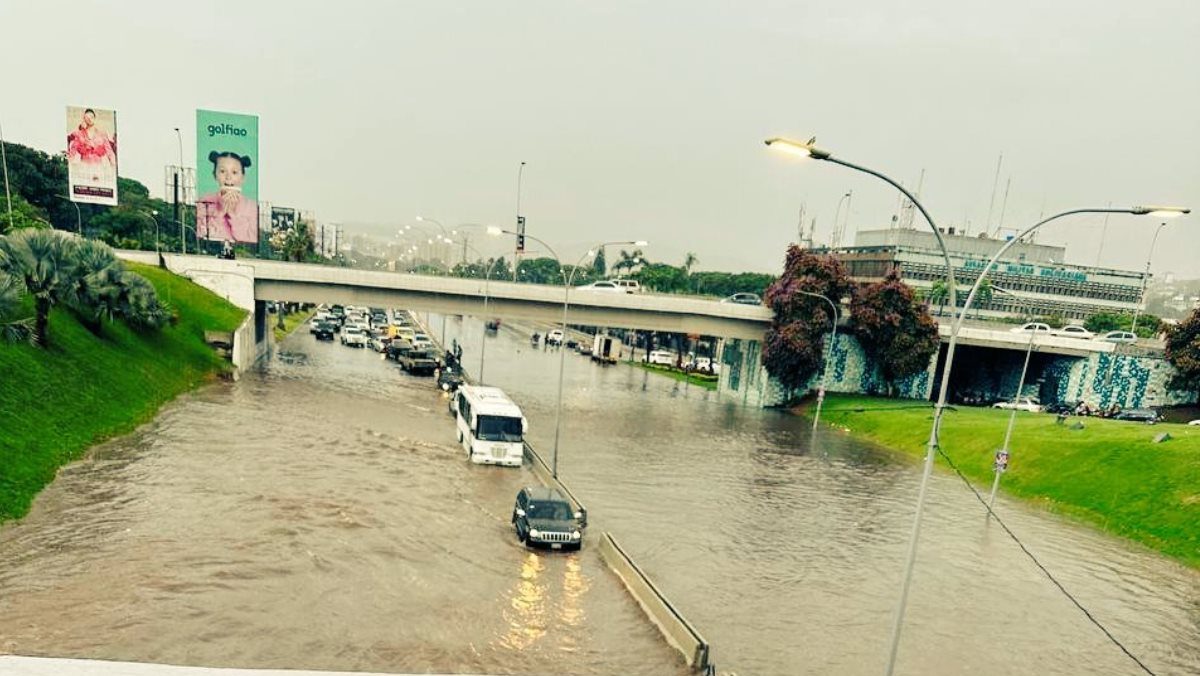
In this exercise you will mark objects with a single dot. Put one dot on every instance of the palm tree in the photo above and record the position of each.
(629, 260)
(97, 284)
(688, 261)
(138, 302)
(12, 330)
(44, 261)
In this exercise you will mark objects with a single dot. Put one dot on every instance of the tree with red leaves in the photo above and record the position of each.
(1183, 352)
(792, 347)
(894, 328)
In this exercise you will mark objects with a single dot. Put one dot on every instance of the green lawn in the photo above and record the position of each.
(1109, 473)
(57, 402)
(290, 322)
(700, 380)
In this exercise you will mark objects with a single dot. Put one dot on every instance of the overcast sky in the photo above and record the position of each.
(645, 120)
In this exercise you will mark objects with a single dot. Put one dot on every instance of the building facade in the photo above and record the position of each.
(1034, 276)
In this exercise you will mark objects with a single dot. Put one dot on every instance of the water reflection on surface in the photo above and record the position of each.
(318, 515)
(786, 549)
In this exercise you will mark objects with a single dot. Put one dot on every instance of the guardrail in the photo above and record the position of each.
(543, 472)
(674, 626)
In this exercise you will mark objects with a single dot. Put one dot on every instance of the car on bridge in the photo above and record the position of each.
(544, 516)
(603, 285)
(1074, 331)
(1122, 337)
(743, 299)
(1032, 327)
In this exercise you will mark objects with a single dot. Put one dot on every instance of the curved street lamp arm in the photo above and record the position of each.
(921, 207)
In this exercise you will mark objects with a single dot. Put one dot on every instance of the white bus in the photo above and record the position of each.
(490, 426)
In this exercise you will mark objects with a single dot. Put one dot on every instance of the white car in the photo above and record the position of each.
(606, 286)
(630, 285)
(1195, 422)
(1074, 331)
(354, 337)
(661, 357)
(555, 337)
(421, 341)
(378, 343)
(703, 365)
(1036, 327)
(1118, 337)
(1023, 404)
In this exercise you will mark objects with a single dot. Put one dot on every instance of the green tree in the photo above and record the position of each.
(893, 328)
(98, 284)
(793, 345)
(542, 270)
(629, 261)
(24, 215)
(600, 265)
(44, 261)
(13, 328)
(1148, 325)
(1183, 352)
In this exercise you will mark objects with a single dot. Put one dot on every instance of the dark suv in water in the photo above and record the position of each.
(544, 516)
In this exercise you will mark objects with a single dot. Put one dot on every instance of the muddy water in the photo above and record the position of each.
(317, 515)
(786, 550)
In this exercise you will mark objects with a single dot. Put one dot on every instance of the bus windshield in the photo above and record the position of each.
(498, 428)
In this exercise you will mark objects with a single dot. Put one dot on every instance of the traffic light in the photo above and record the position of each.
(520, 234)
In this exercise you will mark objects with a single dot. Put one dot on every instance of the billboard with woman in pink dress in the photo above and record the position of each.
(92, 155)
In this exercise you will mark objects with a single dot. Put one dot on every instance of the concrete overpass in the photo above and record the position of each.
(247, 282)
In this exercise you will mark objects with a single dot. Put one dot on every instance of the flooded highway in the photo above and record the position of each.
(318, 515)
(786, 550)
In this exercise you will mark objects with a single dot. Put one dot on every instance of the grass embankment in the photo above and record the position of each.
(290, 322)
(700, 380)
(57, 402)
(1109, 473)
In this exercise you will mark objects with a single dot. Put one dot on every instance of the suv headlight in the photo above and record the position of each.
(575, 535)
(533, 533)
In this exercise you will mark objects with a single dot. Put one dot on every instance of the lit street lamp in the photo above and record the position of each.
(567, 280)
(811, 151)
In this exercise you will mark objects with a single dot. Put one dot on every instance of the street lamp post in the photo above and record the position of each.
(810, 150)
(999, 468)
(940, 407)
(153, 215)
(828, 354)
(1145, 277)
(179, 215)
(567, 280)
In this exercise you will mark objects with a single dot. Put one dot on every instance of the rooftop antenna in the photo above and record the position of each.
(907, 210)
(1004, 204)
(992, 202)
(1103, 233)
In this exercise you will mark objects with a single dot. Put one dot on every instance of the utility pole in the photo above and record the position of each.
(520, 225)
(4, 161)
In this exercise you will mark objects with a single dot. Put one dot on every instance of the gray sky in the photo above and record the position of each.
(645, 120)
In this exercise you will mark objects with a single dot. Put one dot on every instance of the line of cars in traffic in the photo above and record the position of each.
(394, 333)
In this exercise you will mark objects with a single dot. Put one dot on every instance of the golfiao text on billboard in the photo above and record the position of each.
(227, 176)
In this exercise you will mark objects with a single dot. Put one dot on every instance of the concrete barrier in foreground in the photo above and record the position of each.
(673, 625)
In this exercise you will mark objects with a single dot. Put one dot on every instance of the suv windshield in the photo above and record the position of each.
(551, 511)
(498, 428)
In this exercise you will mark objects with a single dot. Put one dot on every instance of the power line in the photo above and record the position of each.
(1042, 567)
